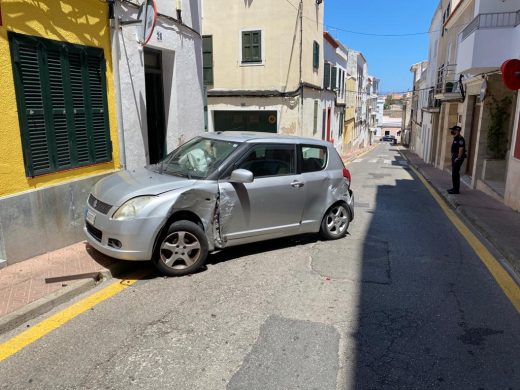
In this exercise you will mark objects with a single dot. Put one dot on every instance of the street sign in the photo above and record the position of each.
(148, 17)
(511, 74)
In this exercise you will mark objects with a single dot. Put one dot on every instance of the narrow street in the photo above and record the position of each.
(401, 302)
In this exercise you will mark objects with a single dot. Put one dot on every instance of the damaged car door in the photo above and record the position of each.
(271, 205)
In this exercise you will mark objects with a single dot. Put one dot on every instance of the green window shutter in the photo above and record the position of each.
(315, 127)
(62, 141)
(78, 108)
(316, 55)
(62, 104)
(251, 46)
(27, 58)
(207, 59)
(333, 77)
(246, 46)
(326, 76)
(256, 46)
(98, 106)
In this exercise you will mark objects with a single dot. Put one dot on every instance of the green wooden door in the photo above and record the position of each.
(263, 121)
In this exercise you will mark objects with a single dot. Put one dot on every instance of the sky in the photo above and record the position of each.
(389, 58)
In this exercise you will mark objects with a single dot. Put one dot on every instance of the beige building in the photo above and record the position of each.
(263, 65)
(476, 37)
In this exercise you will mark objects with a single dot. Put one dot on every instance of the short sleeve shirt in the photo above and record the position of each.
(458, 142)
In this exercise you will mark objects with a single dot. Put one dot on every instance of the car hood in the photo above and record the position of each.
(121, 186)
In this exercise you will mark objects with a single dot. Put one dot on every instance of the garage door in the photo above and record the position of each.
(246, 121)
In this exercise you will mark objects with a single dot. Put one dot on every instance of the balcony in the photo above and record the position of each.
(489, 40)
(448, 87)
(433, 104)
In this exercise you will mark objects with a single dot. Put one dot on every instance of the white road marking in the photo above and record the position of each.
(358, 160)
(388, 161)
(373, 160)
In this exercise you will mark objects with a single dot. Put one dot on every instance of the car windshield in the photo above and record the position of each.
(196, 159)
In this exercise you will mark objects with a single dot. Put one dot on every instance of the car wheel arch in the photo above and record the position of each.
(180, 215)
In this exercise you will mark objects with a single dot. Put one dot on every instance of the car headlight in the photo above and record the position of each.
(131, 208)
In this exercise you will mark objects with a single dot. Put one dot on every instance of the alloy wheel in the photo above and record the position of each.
(180, 250)
(337, 220)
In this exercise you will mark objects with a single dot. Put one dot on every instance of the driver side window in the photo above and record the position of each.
(270, 160)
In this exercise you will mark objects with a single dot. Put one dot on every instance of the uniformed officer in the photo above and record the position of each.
(458, 153)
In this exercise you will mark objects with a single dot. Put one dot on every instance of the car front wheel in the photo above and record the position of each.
(182, 250)
(335, 222)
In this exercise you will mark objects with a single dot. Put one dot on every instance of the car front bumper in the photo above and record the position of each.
(136, 236)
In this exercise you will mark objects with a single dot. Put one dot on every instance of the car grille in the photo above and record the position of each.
(98, 205)
(96, 233)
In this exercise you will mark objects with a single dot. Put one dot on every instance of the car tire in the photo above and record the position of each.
(335, 222)
(182, 250)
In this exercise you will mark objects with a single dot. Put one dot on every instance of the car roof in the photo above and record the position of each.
(254, 137)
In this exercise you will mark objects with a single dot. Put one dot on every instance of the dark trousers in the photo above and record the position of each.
(455, 172)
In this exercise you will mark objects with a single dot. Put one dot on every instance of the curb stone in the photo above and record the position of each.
(45, 304)
(508, 261)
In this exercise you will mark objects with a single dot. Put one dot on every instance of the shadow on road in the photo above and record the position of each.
(440, 321)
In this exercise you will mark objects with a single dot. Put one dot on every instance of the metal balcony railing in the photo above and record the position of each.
(491, 20)
(432, 102)
(447, 80)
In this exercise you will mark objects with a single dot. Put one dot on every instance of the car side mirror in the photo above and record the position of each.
(241, 176)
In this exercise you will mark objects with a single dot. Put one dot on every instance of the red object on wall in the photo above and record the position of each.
(511, 74)
(0, 12)
(517, 143)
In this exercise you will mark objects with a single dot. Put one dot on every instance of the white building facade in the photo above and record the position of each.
(160, 84)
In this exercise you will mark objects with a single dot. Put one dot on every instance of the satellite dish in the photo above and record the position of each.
(148, 16)
(511, 74)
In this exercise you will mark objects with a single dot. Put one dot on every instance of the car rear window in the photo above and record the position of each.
(314, 158)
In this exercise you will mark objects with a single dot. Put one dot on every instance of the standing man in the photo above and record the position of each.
(458, 153)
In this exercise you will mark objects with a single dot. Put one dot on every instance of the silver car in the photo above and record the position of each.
(216, 191)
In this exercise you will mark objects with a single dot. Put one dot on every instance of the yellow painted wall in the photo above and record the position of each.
(350, 113)
(82, 22)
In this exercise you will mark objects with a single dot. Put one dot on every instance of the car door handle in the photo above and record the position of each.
(297, 184)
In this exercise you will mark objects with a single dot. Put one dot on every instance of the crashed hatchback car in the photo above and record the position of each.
(216, 191)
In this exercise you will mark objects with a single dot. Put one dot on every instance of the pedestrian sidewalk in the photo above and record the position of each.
(34, 286)
(495, 221)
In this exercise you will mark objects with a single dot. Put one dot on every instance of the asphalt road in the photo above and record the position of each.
(401, 303)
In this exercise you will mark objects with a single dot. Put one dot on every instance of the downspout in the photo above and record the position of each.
(301, 73)
(114, 38)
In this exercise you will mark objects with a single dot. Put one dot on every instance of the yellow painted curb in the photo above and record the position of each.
(502, 277)
(46, 326)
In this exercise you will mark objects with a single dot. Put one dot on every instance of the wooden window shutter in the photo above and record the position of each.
(316, 55)
(62, 104)
(98, 106)
(326, 76)
(256, 37)
(334, 81)
(315, 127)
(207, 59)
(251, 46)
(27, 59)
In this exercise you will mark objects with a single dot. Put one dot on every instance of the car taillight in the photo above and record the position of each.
(346, 175)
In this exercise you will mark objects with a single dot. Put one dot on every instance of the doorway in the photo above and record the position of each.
(154, 105)
(472, 142)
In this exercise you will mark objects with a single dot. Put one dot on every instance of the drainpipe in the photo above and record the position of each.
(114, 39)
(301, 74)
